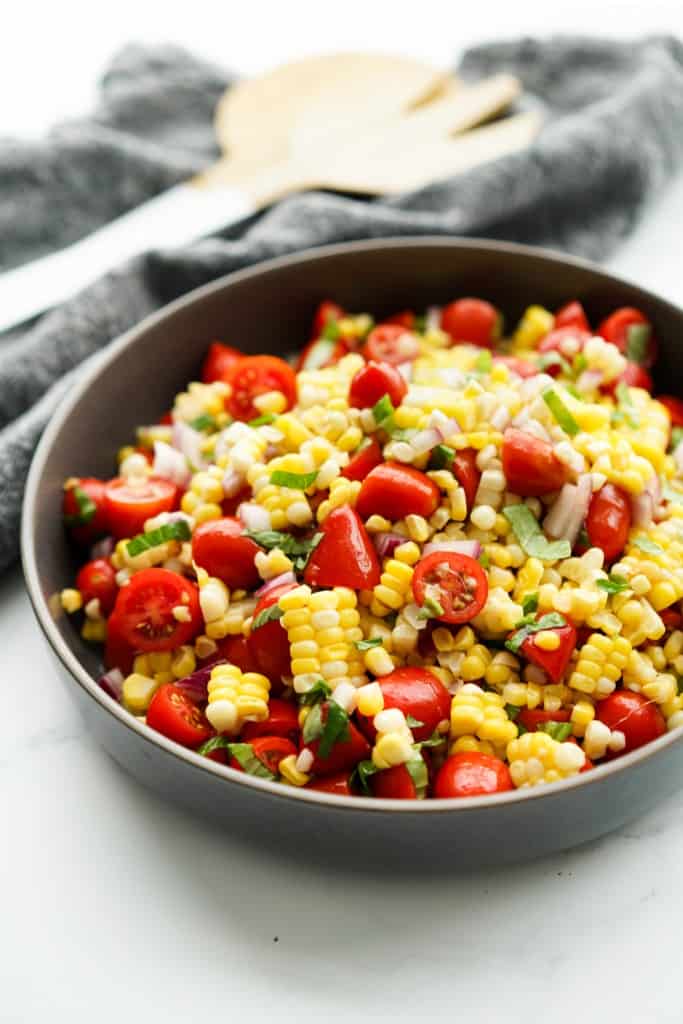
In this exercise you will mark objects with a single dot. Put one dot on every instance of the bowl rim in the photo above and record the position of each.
(599, 774)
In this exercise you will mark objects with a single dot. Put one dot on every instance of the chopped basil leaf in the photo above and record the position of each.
(530, 537)
(417, 769)
(559, 731)
(553, 620)
(431, 609)
(676, 438)
(442, 457)
(530, 603)
(420, 324)
(331, 330)
(178, 530)
(249, 762)
(484, 560)
(335, 729)
(367, 645)
(203, 422)
(669, 493)
(579, 363)
(647, 545)
(614, 585)
(484, 362)
(560, 411)
(637, 341)
(294, 481)
(437, 739)
(86, 509)
(413, 723)
(313, 725)
(261, 421)
(295, 548)
(215, 743)
(318, 692)
(583, 539)
(271, 614)
(511, 710)
(382, 410)
(362, 772)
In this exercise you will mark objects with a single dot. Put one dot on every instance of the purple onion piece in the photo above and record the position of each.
(386, 543)
(112, 683)
(102, 548)
(194, 686)
(277, 581)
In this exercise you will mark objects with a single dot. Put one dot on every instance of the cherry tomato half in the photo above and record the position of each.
(282, 720)
(130, 503)
(235, 650)
(638, 718)
(97, 580)
(465, 470)
(394, 784)
(268, 645)
(345, 557)
(416, 692)
(675, 407)
(118, 653)
(634, 376)
(572, 315)
(406, 318)
(337, 784)
(568, 341)
(471, 320)
(175, 716)
(362, 461)
(394, 491)
(391, 343)
(144, 610)
(671, 618)
(530, 464)
(609, 520)
(254, 376)
(84, 508)
(219, 362)
(532, 718)
(343, 756)
(456, 582)
(554, 663)
(220, 547)
(321, 352)
(373, 381)
(471, 774)
(270, 750)
(325, 312)
(616, 329)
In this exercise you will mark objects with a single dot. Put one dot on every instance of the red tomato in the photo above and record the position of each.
(365, 459)
(325, 312)
(522, 367)
(345, 557)
(282, 720)
(417, 692)
(457, 582)
(219, 362)
(97, 579)
(394, 491)
(130, 504)
(634, 375)
(472, 774)
(616, 329)
(85, 513)
(220, 547)
(117, 651)
(568, 341)
(530, 464)
(464, 469)
(373, 381)
(531, 718)
(554, 663)
(235, 650)
(405, 319)
(473, 321)
(270, 750)
(343, 757)
(391, 343)
(393, 784)
(671, 618)
(268, 645)
(174, 715)
(675, 407)
(609, 520)
(336, 784)
(229, 506)
(638, 718)
(144, 610)
(321, 352)
(572, 315)
(253, 376)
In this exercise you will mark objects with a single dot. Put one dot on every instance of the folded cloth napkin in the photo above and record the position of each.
(613, 135)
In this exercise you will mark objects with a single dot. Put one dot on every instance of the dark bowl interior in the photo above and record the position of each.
(269, 309)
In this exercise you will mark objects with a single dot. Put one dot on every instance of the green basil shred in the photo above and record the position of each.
(442, 457)
(335, 729)
(203, 422)
(295, 548)
(249, 762)
(559, 731)
(637, 341)
(294, 481)
(367, 645)
(271, 614)
(560, 411)
(318, 692)
(553, 620)
(530, 603)
(86, 508)
(530, 537)
(484, 362)
(647, 545)
(178, 530)
(382, 410)
(413, 723)
(262, 421)
(614, 584)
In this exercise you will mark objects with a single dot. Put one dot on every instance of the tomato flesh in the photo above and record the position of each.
(96, 580)
(175, 716)
(144, 610)
(363, 461)
(343, 756)
(85, 526)
(268, 645)
(130, 503)
(471, 774)
(572, 315)
(635, 376)
(327, 311)
(554, 663)
(675, 407)
(465, 470)
(391, 343)
(638, 718)
(219, 362)
(220, 547)
(373, 381)
(616, 329)
(567, 341)
(609, 520)
(254, 376)
(394, 491)
(416, 692)
(456, 582)
(282, 720)
(337, 784)
(270, 750)
(471, 320)
(235, 650)
(532, 718)
(530, 464)
(393, 784)
(345, 557)
(522, 367)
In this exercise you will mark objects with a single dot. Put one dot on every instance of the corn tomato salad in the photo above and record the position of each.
(428, 559)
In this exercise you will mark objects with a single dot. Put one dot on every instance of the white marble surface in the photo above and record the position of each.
(116, 905)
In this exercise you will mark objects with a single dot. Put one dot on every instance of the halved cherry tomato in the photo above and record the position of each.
(254, 376)
(616, 329)
(219, 362)
(671, 618)
(270, 750)
(345, 557)
(85, 513)
(572, 315)
(391, 343)
(675, 407)
(531, 718)
(343, 756)
(633, 375)
(471, 774)
(530, 464)
(554, 663)
(362, 461)
(97, 580)
(282, 720)
(229, 506)
(416, 692)
(465, 470)
(337, 784)
(220, 547)
(406, 319)
(394, 784)
(638, 718)
(522, 367)
(268, 644)
(144, 610)
(118, 653)
(175, 716)
(325, 312)
(456, 582)
(373, 381)
(609, 520)
(394, 491)
(568, 341)
(235, 650)
(321, 352)
(471, 320)
(130, 503)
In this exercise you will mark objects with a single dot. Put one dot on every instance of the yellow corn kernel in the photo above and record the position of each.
(71, 600)
(600, 658)
(418, 528)
(547, 640)
(270, 401)
(471, 745)
(290, 773)
(138, 691)
(408, 553)
(94, 631)
(534, 325)
(378, 661)
(236, 697)
(392, 748)
(475, 664)
(370, 699)
(481, 714)
(581, 716)
(464, 639)
(536, 758)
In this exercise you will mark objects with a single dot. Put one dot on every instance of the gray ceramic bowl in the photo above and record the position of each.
(268, 308)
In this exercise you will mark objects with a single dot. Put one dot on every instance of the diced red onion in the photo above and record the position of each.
(195, 685)
(277, 581)
(253, 516)
(233, 482)
(102, 548)
(589, 381)
(426, 440)
(471, 548)
(433, 318)
(112, 683)
(414, 616)
(582, 499)
(189, 442)
(642, 509)
(170, 464)
(566, 516)
(555, 523)
(386, 543)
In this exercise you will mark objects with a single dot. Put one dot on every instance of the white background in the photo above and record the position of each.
(114, 905)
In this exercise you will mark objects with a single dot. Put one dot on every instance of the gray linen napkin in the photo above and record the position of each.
(613, 137)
